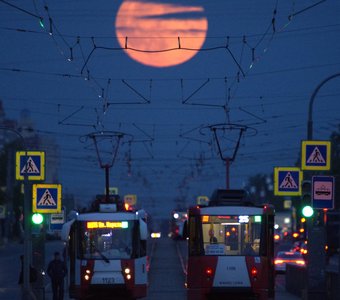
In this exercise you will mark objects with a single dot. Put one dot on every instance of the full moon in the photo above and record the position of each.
(148, 27)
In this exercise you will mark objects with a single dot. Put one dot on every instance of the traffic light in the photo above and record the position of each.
(37, 218)
(306, 199)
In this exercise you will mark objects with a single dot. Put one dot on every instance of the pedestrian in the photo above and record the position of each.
(57, 271)
(212, 239)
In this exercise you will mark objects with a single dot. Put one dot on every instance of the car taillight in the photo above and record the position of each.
(304, 251)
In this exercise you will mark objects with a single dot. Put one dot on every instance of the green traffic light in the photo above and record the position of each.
(37, 218)
(307, 211)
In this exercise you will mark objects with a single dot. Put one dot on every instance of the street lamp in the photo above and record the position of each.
(27, 293)
(316, 253)
(311, 102)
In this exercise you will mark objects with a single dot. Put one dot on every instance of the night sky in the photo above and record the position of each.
(259, 64)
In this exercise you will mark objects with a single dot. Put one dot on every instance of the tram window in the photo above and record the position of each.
(232, 235)
(111, 243)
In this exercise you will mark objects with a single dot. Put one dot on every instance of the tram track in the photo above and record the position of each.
(181, 257)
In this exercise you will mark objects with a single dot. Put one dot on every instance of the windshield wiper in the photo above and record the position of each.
(102, 255)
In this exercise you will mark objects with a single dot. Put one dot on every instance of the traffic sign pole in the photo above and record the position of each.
(27, 238)
(315, 241)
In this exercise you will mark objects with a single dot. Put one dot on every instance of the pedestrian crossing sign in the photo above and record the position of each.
(31, 163)
(46, 198)
(316, 155)
(287, 181)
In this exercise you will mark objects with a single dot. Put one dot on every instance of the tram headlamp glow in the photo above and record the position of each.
(88, 271)
(127, 271)
(128, 276)
(87, 277)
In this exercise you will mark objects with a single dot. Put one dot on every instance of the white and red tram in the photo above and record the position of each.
(231, 249)
(106, 254)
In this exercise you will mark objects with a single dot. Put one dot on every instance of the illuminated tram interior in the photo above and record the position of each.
(231, 235)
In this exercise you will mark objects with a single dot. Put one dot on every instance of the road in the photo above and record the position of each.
(166, 276)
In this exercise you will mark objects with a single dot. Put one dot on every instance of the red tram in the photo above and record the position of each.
(106, 253)
(231, 249)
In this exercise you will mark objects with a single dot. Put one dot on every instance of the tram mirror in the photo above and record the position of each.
(185, 230)
(143, 230)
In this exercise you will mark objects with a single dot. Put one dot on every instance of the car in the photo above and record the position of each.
(301, 247)
(156, 235)
(284, 257)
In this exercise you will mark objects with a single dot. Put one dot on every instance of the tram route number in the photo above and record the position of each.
(108, 280)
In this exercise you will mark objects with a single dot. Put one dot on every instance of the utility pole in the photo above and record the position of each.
(316, 281)
(27, 292)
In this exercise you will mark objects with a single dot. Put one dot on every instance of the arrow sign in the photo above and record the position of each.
(46, 198)
(287, 181)
(31, 163)
(323, 192)
(315, 155)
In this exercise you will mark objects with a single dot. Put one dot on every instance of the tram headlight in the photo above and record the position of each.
(127, 271)
(87, 274)
(128, 276)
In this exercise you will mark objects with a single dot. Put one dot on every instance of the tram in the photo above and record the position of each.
(106, 253)
(231, 249)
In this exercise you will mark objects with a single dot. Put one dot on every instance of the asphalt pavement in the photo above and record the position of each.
(10, 269)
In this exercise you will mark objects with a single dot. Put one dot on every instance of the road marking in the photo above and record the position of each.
(184, 269)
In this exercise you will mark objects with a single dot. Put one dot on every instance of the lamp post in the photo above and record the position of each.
(311, 102)
(316, 233)
(27, 293)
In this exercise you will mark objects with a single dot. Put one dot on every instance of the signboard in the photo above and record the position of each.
(31, 163)
(57, 220)
(113, 191)
(2, 212)
(287, 181)
(214, 249)
(46, 198)
(316, 155)
(130, 199)
(202, 200)
(323, 192)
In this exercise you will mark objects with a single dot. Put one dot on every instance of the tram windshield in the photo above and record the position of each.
(231, 235)
(106, 240)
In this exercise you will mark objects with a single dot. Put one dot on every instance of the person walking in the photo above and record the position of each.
(57, 271)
